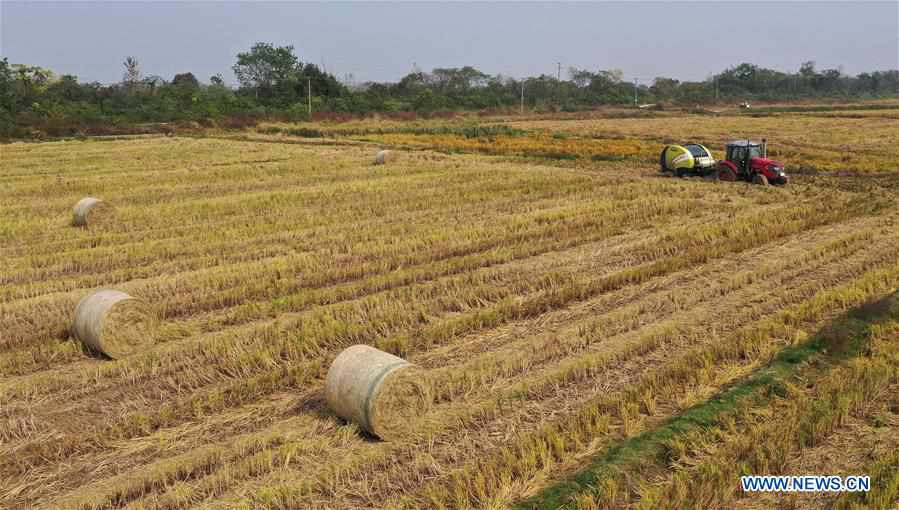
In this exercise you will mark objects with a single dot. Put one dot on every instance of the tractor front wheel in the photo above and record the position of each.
(760, 179)
(727, 174)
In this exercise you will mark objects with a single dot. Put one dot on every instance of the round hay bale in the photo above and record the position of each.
(378, 391)
(114, 323)
(385, 156)
(89, 206)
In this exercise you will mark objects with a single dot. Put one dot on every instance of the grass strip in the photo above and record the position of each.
(848, 337)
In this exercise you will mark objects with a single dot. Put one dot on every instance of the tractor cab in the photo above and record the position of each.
(740, 153)
(747, 160)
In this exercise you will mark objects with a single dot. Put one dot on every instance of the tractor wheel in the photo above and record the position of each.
(727, 174)
(760, 179)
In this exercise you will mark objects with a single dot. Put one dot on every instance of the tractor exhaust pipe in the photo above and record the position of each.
(764, 148)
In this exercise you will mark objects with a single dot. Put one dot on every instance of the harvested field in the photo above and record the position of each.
(568, 315)
(813, 140)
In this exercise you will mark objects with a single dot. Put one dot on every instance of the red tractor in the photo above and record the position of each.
(748, 161)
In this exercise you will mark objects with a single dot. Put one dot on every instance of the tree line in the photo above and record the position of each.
(275, 83)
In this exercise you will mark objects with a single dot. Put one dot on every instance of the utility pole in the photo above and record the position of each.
(309, 96)
(521, 109)
(559, 72)
(716, 88)
(635, 91)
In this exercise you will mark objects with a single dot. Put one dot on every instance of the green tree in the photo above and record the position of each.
(270, 72)
(186, 81)
(66, 88)
(664, 88)
(807, 69)
(29, 84)
(425, 101)
(580, 77)
(323, 84)
(411, 84)
(131, 76)
(7, 87)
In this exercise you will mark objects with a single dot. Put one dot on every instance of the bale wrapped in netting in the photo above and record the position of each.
(378, 391)
(385, 156)
(90, 208)
(114, 323)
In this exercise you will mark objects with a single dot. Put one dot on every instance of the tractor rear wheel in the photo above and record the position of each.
(726, 173)
(760, 179)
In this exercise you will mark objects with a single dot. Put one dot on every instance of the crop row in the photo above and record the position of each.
(276, 464)
(251, 386)
(559, 441)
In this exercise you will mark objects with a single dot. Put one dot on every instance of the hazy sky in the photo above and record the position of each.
(381, 41)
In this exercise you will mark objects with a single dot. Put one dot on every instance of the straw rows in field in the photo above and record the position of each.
(803, 142)
(800, 141)
(836, 141)
(555, 310)
(534, 145)
(463, 421)
(827, 406)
